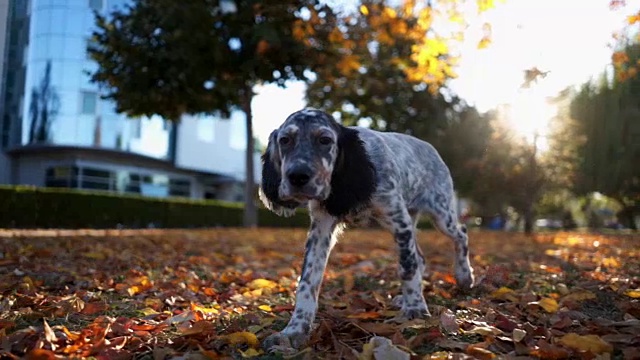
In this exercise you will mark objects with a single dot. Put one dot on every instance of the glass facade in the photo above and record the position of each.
(53, 101)
(123, 181)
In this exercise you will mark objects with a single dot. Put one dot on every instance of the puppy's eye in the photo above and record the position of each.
(325, 140)
(285, 140)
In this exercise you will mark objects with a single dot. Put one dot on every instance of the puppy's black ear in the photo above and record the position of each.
(354, 177)
(270, 182)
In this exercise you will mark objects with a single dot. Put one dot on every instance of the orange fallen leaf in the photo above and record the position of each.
(592, 343)
(480, 353)
(93, 308)
(40, 354)
(365, 315)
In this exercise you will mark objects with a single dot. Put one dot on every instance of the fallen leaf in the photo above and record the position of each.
(378, 328)
(484, 330)
(518, 335)
(550, 305)
(504, 293)
(241, 337)
(591, 343)
(635, 294)
(40, 354)
(380, 348)
(349, 282)
(578, 296)
(365, 315)
(448, 321)
(480, 353)
(261, 284)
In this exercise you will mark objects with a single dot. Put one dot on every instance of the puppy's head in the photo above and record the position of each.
(312, 157)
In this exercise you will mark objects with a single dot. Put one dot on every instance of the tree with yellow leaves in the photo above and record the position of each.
(392, 63)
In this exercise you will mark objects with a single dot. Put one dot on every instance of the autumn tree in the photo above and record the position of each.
(393, 65)
(171, 58)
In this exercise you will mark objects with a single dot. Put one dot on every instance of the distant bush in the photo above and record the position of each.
(33, 207)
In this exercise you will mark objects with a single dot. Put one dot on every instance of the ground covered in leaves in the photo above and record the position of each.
(210, 294)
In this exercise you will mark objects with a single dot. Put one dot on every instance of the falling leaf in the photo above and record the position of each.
(364, 10)
(592, 343)
(265, 307)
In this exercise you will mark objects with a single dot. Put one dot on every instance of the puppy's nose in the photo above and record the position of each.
(299, 175)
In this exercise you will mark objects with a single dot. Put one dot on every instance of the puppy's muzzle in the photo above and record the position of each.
(299, 176)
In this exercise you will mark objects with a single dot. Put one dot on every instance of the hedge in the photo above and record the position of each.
(34, 207)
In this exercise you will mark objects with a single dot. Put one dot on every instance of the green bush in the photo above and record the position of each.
(32, 207)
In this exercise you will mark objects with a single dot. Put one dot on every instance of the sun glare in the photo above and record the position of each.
(529, 117)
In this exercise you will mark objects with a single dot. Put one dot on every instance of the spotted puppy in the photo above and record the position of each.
(353, 175)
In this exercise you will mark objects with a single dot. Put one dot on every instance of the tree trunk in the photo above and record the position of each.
(250, 210)
(528, 222)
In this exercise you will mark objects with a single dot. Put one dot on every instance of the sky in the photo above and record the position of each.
(569, 38)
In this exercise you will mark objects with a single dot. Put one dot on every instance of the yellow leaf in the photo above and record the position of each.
(632, 19)
(367, 352)
(364, 10)
(148, 311)
(250, 353)
(265, 308)
(484, 5)
(242, 337)
(484, 43)
(591, 343)
(261, 284)
(204, 310)
(579, 295)
(633, 293)
(95, 255)
(504, 293)
(612, 262)
(550, 305)
(133, 290)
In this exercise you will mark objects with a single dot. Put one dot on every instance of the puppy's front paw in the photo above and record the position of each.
(415, 313)
(464, 278)
(284, 342)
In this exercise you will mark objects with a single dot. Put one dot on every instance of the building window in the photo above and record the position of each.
(62, 177)
(95, 5)
(96, 179)
(89, 102)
